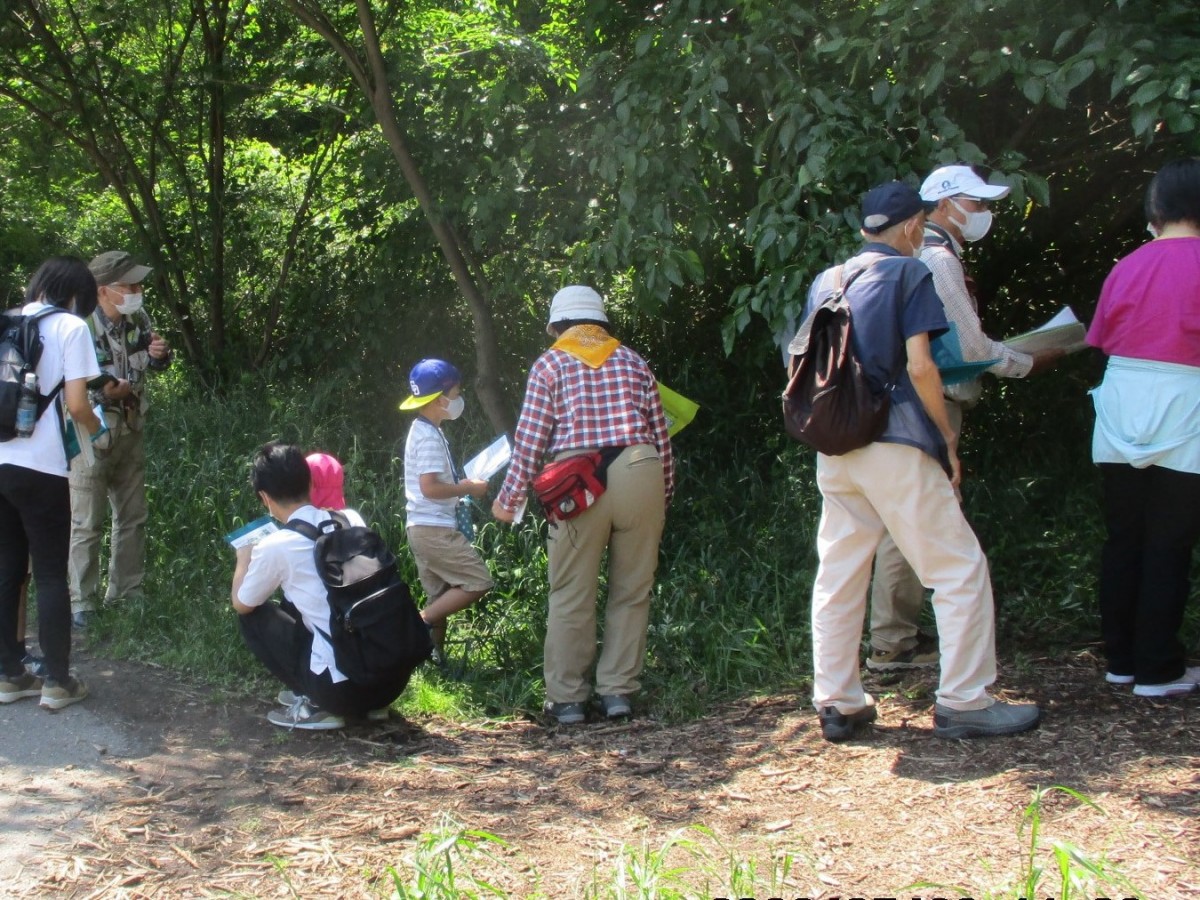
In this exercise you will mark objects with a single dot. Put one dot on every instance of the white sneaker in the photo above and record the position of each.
(1112, 678)
(1185, 684)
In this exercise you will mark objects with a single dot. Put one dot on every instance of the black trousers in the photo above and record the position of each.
(1153, 521)
(276, 635)
(35, 519)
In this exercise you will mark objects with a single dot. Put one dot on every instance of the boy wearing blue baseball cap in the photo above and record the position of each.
(450, 568)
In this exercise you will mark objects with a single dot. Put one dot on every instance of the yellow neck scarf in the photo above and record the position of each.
(590, 344)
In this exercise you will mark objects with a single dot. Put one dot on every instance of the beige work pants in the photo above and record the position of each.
(628, 520)
(897, 595)
(902, 490)
(118, 478)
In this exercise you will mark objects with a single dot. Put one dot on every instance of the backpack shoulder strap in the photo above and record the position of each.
(337, 519)
(303, 528)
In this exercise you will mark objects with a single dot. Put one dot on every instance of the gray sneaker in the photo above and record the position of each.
(60, 694)
(565, 713)
(24, 685)
(303, 714)
(616, 706)
(999, 718)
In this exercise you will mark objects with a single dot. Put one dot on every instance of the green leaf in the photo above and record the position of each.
(1141, 73)
(1181, 122)
(1151, 90)
(1181, 87)
(1064, 39)
(1143, 120)
(1078, 74)
(642, 47)
(1038, 190)
(1034, 89)
(934, 77)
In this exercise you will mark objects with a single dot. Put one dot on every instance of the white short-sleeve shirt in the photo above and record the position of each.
(285, 560)
(426, 451)
(68, 353)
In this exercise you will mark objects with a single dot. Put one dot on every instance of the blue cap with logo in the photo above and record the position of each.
(428, 380)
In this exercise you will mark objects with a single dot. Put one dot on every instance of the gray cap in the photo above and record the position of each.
(117, 267)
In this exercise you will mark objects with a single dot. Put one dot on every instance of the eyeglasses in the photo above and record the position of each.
(980, 205)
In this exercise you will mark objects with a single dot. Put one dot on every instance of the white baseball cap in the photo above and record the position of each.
(954, 181)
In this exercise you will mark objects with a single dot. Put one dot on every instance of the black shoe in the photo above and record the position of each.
(838, 726)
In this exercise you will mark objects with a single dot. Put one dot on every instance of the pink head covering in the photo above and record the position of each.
(327, 479)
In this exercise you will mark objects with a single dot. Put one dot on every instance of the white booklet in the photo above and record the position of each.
(490, 460)
(251, 533)
(1064, 331)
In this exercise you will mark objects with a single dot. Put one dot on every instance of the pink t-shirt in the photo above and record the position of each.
(1150, 305)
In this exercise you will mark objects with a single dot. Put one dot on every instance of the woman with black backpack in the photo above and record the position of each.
(35, 500)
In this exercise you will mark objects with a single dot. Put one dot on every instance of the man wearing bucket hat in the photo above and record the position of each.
(899, 482)
(957, 202)
(589, 392)
(451, 570)
(127, 347)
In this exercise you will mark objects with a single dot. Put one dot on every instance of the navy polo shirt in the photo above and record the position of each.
(892, 300)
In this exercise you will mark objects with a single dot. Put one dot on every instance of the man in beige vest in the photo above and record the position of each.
(128, 348)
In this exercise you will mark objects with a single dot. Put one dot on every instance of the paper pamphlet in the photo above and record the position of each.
(678, 409)
(74, 446)
(490, 460)
(251, 533)
(1064, 332)
(520, 513)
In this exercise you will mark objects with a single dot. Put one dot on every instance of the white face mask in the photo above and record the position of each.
(918, 242)
(977, 224)
(455, 407)
(131, 304)
(1152, 230)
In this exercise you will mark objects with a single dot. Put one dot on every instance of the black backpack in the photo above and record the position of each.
(374, 627)
(829, 403)
(20, 349)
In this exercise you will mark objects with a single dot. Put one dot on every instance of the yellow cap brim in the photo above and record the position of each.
(417, 402)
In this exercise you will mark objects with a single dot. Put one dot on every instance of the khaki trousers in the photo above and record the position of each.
(628, 520)
(118, 477)
(900, 489)
(897, 595)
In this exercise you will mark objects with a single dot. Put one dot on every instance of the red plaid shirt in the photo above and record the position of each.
(571, 406)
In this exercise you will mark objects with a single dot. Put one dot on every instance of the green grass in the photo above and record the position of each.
(731, 603)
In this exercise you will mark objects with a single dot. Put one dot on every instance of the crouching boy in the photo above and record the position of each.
(289, 637)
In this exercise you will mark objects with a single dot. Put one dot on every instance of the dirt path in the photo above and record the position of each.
(188, 794)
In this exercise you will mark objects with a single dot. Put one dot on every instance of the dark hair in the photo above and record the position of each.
(281, 472)
(61, 279)
(1174, 193)
(563, 324)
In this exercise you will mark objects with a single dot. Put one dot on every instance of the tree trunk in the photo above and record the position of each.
(371, 77)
